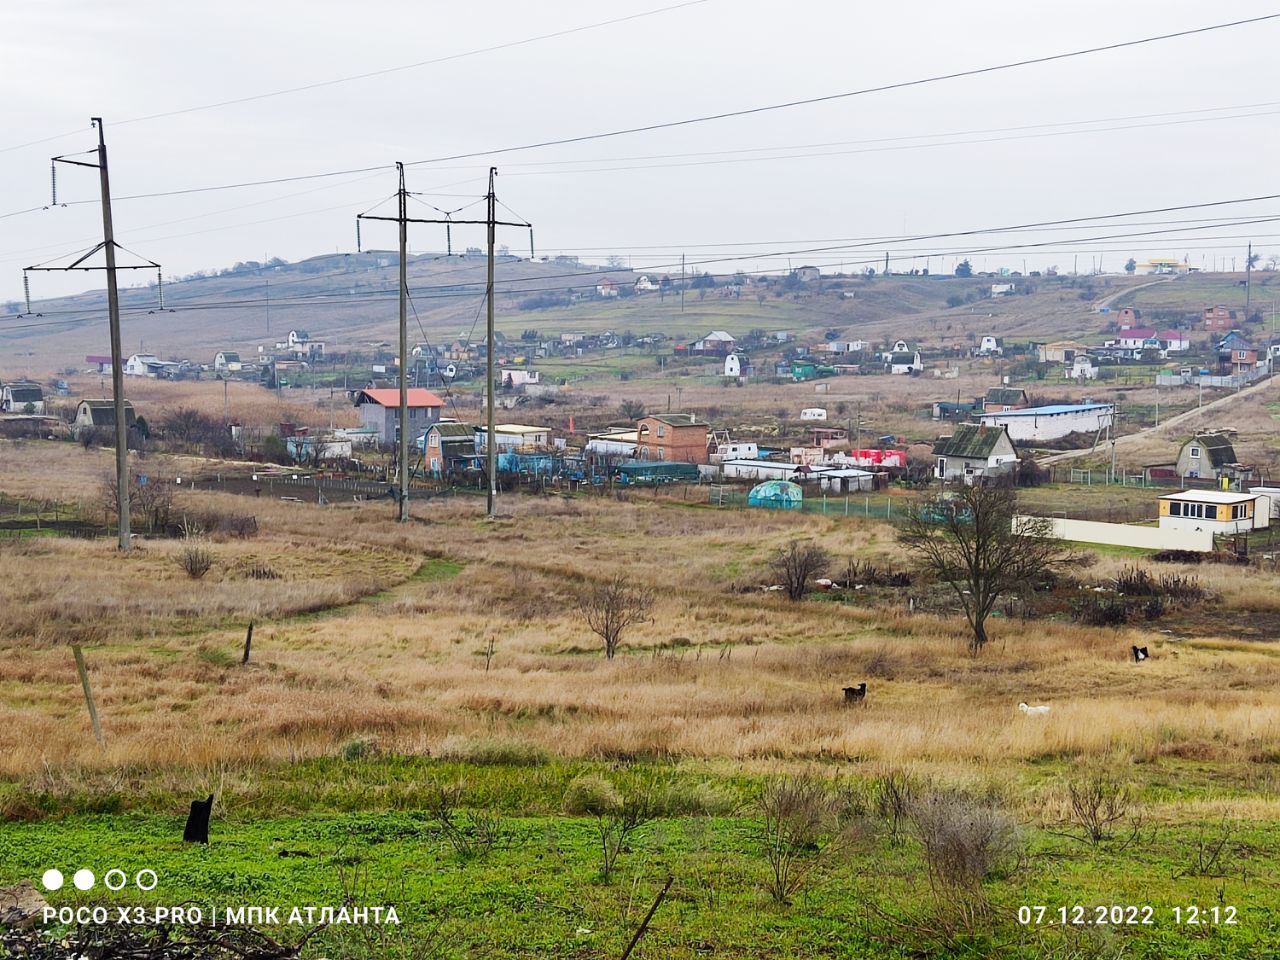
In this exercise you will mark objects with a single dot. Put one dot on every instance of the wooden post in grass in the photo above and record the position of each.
(248, 641)
(88, 694)
(644, 925)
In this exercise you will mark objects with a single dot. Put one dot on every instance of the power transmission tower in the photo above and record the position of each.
(108, 246)
(492, 223)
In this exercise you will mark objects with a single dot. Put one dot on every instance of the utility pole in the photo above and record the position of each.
(404, 348)
(268, 302)
(1248, 276)
(108, 248)
(117, 360)
(682, 283)
(491, 440)
(491, 222)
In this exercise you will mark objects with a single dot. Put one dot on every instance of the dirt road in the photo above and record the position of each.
(1189, 416)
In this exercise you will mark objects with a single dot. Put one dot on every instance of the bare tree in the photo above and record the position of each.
(798, 563)
(611, 608)
(970, 540)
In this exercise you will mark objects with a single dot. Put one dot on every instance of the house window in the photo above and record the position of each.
(662, 454)
(1238, 512)
(1195, 453)
(942, 466)
(662, 429)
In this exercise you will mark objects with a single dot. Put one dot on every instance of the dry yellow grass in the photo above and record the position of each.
(717, 675)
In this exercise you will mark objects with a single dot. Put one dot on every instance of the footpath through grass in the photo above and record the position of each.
(507, 873)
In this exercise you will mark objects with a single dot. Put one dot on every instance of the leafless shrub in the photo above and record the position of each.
(472, 836)
(965, 840)
(802, 830)
(798, 563)
(1096, 805)
(611, 608)
(196, 559)
(869, 574)
(893, 794)
(617, 817)
(1208, 859)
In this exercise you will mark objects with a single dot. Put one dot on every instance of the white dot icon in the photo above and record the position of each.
(52, 879)
(83, 879)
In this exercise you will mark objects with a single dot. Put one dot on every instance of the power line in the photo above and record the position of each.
(749, 111)
(827, 98)
(375, 73)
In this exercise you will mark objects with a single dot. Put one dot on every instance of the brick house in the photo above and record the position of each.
(1220, 318)
(679, 437)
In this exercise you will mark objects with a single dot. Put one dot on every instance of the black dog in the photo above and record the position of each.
(197, 830)
(855, 694)
(1140, 654)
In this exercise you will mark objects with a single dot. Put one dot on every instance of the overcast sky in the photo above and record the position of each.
(62, 62)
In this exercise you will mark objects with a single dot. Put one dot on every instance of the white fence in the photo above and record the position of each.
(1129, 535)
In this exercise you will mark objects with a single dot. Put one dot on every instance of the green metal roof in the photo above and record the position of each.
(1006, 395)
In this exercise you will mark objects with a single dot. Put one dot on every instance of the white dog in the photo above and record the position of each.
(1039, 711)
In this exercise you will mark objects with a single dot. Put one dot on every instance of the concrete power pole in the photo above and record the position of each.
(108, 248)
(491, 222)
(117, 360)
(491, 441)
(404, 348)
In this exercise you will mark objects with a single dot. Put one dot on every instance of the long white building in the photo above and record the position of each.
(1051, 422)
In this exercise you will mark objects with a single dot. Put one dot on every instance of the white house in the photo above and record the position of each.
(147, 365)
(813, 413)
(226, 361)
(21, 397)
(1051, 422)
(1082, 367)
(1217, 511)
(807, 273)
(606, 288)
(612, 443)
(737, 365)
(718, 342)
(1135, 338)
(991, 347)
(645, 285)
(974, 451)
(513, 436)
(520, 378)
(300, 345)
(1174, 341)
(899, 346)
(904, 362)
(1001, 289)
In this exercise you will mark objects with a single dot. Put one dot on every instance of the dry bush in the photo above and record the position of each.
(893, 794)
(802, 830)
(472, 837)
(1096, 805)
(798, 563)
(965, 839)
(196, 559)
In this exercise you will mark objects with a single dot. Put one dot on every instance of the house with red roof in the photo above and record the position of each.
(380, 410)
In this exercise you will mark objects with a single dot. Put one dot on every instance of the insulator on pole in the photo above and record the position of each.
(359, 249)
(448, 239)
(53, 182)
(160, 286)
(531, 243)
(26, 289)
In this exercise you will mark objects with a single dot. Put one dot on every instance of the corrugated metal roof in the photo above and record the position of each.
(418, 397)
(1050, 410)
